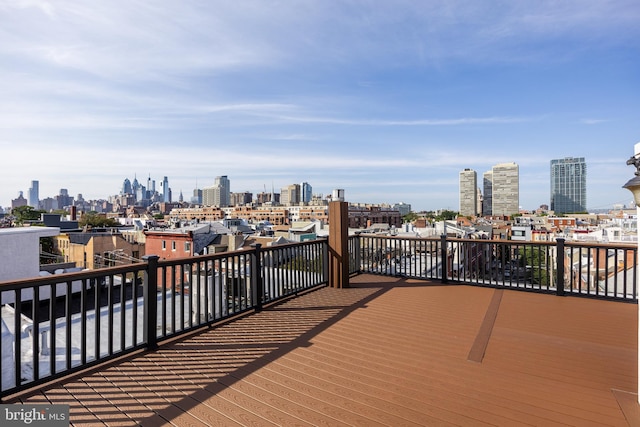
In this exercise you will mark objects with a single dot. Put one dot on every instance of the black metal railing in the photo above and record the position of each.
(59, 324)
(354, 255)
(594, 270)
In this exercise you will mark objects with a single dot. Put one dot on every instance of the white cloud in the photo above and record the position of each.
(264, 88)
(593, 121)
(417, 122)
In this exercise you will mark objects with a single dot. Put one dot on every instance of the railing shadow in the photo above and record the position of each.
(184, 375)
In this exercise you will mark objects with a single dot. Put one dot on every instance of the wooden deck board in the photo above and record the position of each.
(385, 352)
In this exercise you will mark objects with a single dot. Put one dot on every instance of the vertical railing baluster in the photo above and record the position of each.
(560, 267)
(35, 310)
(52, 327)
(110, 287)
(123, 327)
(151, 301)
(615, 274)
(625, 266)
(17, 326)
(189, 284)
(83, 321)
(97, 319)
(358, 251)
(597, 275)
(205, 300)
(255, 267)
(68, 331)
(325, 261)
(443, 257)
(134, 310)
(178, 326)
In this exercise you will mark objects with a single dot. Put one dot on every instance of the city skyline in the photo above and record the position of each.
(386, 101)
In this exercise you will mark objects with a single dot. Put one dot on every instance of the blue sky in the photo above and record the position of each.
(389, 100)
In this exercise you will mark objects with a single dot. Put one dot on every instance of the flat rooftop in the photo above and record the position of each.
(385, 352)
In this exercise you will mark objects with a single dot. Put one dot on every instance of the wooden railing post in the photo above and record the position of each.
(560, 267)
(150, 293)
(256, 277)
(338, 245)
(444, 257)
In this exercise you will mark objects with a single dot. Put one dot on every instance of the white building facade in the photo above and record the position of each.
(468, 196)
(505, 199)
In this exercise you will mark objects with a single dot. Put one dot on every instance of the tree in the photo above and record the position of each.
(410, 217)
(26, 213)
(536, 258)
(447, 215)
(95, 219)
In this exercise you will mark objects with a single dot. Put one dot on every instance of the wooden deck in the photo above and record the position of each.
(385, 352)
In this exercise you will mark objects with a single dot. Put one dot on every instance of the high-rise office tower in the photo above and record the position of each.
(126, 187)
(219, 194)
(196, 199)
(64, 199)
(241, 199)
(166, 191)
(468, 196)
(290, 195)
(208, 196)
(151, 187)
(34, 194)
(569, 185)
(487, 189)
(223, 198)
(505, 200)
(306, 190)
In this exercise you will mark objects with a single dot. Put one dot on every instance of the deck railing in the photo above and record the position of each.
(56, 325)
(59, 324)
(573, 268)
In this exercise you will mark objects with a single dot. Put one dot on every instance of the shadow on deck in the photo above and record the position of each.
(386, 351)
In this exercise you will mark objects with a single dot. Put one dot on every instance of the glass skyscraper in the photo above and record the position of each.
(34, 194)
(487, 186)
(306, 189)
(569, 185)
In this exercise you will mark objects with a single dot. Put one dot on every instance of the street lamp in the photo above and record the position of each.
(633, 185)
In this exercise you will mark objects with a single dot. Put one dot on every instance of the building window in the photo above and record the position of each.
(173, 245)
(164, 245)
(187, 247)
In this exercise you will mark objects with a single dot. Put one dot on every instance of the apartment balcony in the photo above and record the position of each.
(424, 342)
